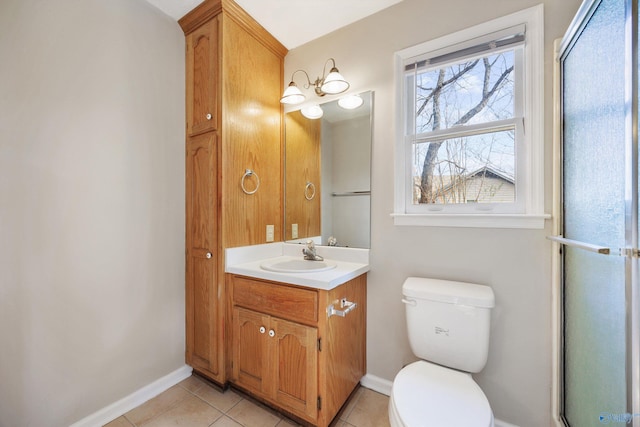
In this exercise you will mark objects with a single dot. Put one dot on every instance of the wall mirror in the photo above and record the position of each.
(328, 175)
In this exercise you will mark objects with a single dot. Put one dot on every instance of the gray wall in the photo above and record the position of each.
(515, 263)
(346, 146)
(91, 205)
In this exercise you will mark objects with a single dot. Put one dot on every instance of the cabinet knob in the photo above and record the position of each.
(272, 333)
(209, 116)
(262, 329)
(208, 255)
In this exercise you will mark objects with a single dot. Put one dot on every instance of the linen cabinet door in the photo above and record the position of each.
(251, 361)
(202, 304)
(295, 352)
(202, 78)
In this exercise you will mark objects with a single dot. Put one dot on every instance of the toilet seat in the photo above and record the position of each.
(424, 394)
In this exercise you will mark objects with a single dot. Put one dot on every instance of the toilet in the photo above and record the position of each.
(448, 327)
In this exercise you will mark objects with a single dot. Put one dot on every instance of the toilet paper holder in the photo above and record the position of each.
(345, 304)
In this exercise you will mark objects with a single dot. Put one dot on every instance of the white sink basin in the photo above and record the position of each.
(294, 265)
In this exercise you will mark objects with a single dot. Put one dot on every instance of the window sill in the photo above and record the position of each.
(472, 220)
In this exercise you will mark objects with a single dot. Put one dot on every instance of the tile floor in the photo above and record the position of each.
(195, 403)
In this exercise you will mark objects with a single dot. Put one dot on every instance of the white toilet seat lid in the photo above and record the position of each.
(426, 394)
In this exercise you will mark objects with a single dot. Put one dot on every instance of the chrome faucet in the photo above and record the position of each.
(310, 252)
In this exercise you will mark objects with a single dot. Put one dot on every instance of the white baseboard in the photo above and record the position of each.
(137, 398)
(377, 384)
(384, 386)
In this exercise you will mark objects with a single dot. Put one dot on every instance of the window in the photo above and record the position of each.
(470, 139)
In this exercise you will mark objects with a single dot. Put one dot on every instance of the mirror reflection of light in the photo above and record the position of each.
(350, 102)
(312, 111)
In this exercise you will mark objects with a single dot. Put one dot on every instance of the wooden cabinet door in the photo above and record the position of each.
(202, 78)
(251, 358)
(277, 359)
(202, 303)
(295, 360)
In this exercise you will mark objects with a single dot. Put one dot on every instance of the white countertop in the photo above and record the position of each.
(350, 263)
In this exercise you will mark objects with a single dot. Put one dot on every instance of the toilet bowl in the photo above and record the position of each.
(428, 395)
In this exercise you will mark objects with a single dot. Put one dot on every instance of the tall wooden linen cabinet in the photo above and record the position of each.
(234, 143)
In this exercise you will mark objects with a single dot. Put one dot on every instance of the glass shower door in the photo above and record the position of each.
(598, 204)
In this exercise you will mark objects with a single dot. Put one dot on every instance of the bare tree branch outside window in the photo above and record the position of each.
(473, 168)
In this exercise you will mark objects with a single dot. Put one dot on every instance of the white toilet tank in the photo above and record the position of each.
(448, 322)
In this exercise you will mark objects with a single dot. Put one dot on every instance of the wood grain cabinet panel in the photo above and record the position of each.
(276, 359)
(202, 303)
(202, 74)
(288, 302)
(251, 106)
(296, 367)
(343, 359)
(250, 349)
(233, 123)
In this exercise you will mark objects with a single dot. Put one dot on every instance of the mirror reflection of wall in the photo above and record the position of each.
(343, 156)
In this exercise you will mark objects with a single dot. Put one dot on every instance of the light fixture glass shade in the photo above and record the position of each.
(292, 95)
(334, 83)
(312, 112)
(350, 102)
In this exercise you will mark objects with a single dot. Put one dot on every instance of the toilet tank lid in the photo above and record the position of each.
(449, 292)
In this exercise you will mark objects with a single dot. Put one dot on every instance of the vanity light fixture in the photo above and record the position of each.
(350, 102)
(312, 112)
(332, 84)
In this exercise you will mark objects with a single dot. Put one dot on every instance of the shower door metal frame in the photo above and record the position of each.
(630, 251)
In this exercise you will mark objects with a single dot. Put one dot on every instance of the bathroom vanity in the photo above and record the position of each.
(289, 352)
(293, 339)
(298, 339)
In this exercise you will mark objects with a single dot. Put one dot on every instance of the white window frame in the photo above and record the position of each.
(528, 211)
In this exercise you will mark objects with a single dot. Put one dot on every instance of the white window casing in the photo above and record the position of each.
(528, 209)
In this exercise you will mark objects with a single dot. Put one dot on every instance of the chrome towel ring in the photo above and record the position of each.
(247, 173)
(309, 191)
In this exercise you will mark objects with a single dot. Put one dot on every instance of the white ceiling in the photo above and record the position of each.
(292, 22)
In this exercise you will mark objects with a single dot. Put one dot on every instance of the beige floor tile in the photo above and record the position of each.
(158, 405)
(193, 384)
(225, 421)
(119, 422)
(219, 400)
(351, 403)
(250, 414)
(371, 410)
(179, 407)
(286, 422)
(191, 412)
